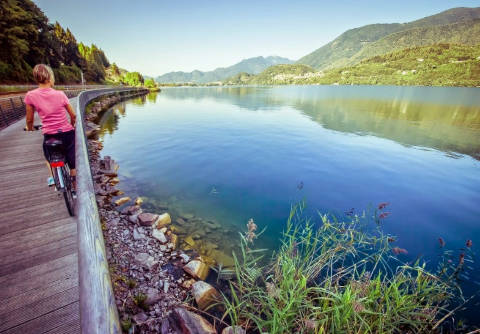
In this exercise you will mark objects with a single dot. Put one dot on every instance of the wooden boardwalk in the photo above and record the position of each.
(38, 242)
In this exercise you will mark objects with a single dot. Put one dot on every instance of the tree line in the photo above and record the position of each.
(28, 38)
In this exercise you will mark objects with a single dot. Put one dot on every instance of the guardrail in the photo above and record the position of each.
(98, 311)
(13, 108)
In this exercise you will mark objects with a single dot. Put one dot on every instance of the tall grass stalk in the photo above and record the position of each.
(335, 278)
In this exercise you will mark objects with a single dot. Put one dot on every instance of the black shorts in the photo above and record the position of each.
(68, 140)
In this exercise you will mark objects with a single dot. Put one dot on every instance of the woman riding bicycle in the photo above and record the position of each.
(52, 107)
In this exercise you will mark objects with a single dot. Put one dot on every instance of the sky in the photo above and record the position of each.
(157, 36)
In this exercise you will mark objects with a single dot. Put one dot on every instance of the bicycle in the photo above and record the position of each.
(61, 172)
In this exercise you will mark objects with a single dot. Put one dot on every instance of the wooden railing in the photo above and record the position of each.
(13, 109)
(98, 311)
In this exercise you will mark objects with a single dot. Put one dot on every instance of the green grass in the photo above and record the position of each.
(337, 278)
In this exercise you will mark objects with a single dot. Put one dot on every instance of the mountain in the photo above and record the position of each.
(434, 65)
(360, 43)
(250, 65)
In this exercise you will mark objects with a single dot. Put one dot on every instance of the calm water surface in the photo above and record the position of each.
(230, 154)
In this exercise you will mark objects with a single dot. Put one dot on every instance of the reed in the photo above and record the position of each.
(338, 277)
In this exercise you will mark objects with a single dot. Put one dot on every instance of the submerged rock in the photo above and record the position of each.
(163, 220)
(122, 201)
(187, 322)
(197, 269)
(204, 294)
(138, 201)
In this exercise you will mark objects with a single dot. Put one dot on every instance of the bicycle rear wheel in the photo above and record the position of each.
(67, 193)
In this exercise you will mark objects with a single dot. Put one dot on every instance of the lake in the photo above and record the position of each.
(230, 154)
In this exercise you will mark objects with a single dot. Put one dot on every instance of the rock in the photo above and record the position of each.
(186, 322)
(122, 201)
(185, 257)
(188, 283)
(140, 318)
(187, 216)
(166, 285)
(174, 240)
(189, 240)
(180, 221)
(132, 210)
(133, 219)
(153, 296)
(145, 260)
(165, 329)
(197, 269)
(138, 201)
(163, 220)
(233, 330)
(160, 236)
(147, 219)
(137, 235)
(204, 294)
(114, 181)
(163, 248)
(222, 258)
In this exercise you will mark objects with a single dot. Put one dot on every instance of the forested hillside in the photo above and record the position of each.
(435, 65)
(457, 25)
(28, 38)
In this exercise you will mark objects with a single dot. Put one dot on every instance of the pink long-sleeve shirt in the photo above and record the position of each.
(51, 107)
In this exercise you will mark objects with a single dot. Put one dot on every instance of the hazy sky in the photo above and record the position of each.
(157, 36)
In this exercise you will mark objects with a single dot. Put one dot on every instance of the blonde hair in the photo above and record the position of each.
(43, 74)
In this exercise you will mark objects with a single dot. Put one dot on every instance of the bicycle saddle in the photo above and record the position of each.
(52, 142)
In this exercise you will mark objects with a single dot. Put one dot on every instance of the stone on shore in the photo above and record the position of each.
(145, 260)
(147, 219)
(159, 235)
(204, 294)
(140, 318)
(174, 240)
(197, 269)
(138, 201)
(187, 322)
(233, 330)
(122, 201)
(153, 296)
(163, 220)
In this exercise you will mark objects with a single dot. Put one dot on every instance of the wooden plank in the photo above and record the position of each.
(22, 286)
(38, 255)
(33, 273)
(36, 309)
(48, 321)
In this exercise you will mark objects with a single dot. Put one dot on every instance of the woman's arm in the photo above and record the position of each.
(29, 117)
(72, 114)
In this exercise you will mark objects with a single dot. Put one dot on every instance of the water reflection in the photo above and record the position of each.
(452, 127)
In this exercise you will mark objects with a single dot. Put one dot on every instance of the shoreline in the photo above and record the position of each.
(152, 278)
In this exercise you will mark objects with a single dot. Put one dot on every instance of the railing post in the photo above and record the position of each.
(5, 119)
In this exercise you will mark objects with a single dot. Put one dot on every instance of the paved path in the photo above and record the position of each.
(38, 242)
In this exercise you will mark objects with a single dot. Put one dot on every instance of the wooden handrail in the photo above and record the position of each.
(98, 311)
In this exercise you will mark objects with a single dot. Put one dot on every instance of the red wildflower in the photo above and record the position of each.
(398, 250)
(382, 205)
(384, 215)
